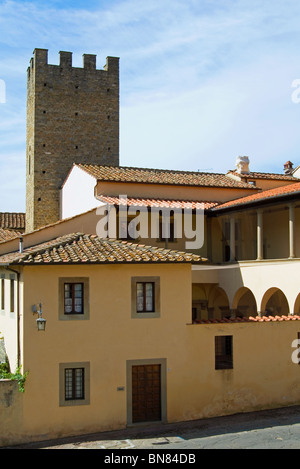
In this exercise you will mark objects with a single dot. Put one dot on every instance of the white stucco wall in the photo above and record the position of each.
(77, 193)
(297, 172)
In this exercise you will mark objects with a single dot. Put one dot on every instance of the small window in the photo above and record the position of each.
(223, 352)
(145, 297)
(73, 298)
(74, 383)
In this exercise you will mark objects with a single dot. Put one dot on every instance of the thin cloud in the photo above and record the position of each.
(200, 81)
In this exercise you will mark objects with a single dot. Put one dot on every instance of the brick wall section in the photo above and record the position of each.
(72, 117)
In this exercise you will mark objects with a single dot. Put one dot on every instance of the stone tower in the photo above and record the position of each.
(72, 117)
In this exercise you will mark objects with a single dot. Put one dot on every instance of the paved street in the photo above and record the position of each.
(272, 429)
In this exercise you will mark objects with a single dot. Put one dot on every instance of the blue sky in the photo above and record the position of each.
(202, 81)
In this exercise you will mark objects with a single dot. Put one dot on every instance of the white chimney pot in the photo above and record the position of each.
(242, 164)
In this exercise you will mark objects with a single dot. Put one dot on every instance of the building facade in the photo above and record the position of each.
(119, 314)
(212, 329)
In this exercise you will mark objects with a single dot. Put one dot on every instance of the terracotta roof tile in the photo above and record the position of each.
(257, 175)
(261, 196)
(58, 222)
(78, 248)
(5, 235)
(161, 176)
(159, 203)
(12, 220)
(251, 319)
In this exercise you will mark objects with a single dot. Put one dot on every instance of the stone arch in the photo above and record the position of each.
(274, 303)
(244, 303)
(297, 305)
(218, 303)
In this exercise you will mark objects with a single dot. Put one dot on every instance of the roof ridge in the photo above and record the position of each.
(263, 173)
(130, 174)
(162, 199)
(150, 169)
(12, 213)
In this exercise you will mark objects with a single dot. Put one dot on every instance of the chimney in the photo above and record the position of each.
(242, 165)
(288, 167)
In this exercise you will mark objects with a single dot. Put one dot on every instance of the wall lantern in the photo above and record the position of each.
(40, 322)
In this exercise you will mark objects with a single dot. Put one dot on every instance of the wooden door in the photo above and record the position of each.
(146, 393)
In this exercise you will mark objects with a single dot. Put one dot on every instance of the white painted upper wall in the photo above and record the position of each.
(77, 193)
(296, 173)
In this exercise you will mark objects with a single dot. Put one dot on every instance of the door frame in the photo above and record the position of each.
(163, 384)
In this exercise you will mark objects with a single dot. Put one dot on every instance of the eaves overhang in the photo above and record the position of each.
(283, 198)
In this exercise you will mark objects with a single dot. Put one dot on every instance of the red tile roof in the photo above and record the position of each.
(262, 196)
(5, 235)
(159, 203)
(78, 248)
(250, 319)
(257, 175)
(162, 176)
(58, 222)
(12, 220)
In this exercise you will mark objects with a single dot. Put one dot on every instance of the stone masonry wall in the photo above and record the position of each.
(72, 117)
(11, 413)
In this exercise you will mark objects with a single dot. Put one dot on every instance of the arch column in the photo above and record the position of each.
(260, 235)
(292, 231)
(232, 239)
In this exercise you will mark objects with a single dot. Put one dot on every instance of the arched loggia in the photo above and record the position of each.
(274, 303)
(244, 303)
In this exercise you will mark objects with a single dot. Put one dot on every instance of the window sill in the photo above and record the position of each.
(73, 317)
(145, 315)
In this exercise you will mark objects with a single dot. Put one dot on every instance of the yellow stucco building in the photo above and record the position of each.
(137, 333)
(155, 295)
